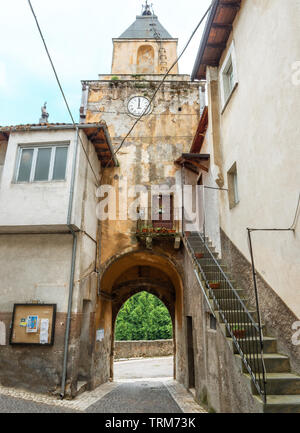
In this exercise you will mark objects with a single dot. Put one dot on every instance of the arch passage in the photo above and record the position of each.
(133, 273)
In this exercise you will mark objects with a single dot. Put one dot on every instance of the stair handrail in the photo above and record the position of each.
(258, 328)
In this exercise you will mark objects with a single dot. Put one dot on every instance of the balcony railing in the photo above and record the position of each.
(158, 227)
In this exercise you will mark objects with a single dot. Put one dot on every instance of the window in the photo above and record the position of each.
(233, 186)
(38, 164)
(228, 77)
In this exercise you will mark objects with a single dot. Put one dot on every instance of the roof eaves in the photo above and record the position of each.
(204, 39)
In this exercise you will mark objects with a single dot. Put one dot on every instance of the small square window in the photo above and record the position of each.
(233, 191)
(39, 164)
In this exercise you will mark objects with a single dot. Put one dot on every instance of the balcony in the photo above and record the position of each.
(159, 228)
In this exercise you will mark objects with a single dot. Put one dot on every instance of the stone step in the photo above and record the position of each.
(247, 326)
(206, 254)
(209, 261)
(238, 316)
(212, 267)
(225, 293)
(229, 304)
(216, 275)
(200, 244)
(281, 404)
(252, 345)
(279, 384)
(274, 363)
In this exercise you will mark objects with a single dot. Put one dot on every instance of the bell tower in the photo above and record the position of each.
(145, 47)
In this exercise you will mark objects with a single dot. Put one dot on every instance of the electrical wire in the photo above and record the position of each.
(61, 89)
(164, 78)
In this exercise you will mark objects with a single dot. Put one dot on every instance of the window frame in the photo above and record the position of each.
(228, 84)
(233, 189)
(35, 148)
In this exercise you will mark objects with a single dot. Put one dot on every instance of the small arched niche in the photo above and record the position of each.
(145, 59)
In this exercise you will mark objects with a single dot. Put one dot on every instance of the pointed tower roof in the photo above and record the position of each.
(146, 26)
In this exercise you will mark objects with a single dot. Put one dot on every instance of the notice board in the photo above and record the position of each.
(33, 324)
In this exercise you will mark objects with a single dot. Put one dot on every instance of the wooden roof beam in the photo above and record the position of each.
(221, 45)
(222, 26)
(231, 5)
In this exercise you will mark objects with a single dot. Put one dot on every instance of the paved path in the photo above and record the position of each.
(125, 395)
(144, 367)
(137, 397)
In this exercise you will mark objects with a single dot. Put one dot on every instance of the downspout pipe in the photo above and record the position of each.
(107, 136)
(72, 273)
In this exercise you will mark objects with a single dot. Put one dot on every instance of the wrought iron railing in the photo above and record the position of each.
(245, 332)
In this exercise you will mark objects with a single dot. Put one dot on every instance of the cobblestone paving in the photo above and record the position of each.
(136, 396)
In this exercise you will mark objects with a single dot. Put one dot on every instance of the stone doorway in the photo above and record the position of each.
(124, 277)
(144, 343)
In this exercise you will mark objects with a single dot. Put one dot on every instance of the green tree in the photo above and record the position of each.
(143, 317)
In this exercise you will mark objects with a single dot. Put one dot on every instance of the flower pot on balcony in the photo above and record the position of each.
(214, 285)
(199, 255)
(171, 231)
(144, 230)
(239, 333)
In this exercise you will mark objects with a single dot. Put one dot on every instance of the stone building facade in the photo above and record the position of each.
(55, 248)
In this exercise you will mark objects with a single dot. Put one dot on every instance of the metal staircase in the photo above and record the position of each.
(268, 372)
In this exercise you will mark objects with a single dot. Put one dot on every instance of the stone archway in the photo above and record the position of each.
(129, 274)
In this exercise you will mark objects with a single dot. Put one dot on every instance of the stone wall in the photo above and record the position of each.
(144, 349)
(219, 380)
(275, 314)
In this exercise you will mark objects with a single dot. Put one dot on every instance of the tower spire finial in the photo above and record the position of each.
(146, 9)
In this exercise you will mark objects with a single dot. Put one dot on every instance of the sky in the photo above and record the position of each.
(79, 36)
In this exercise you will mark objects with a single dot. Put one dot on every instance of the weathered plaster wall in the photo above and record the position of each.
(37, 267)
(33, 267)
(125, 56)
(260, 132)
(144, 349)
(147, 156)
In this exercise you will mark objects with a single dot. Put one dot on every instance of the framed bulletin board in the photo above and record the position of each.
(33, 324)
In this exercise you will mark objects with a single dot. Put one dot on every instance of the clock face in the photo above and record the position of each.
(138, 106)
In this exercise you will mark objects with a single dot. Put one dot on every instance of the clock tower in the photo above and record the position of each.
(141, 56)
(146, 159)
(145, 47)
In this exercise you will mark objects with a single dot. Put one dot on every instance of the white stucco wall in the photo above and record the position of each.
(260, 131)
(37, 203)
(42, 206)
(211, 199)
(37, 266)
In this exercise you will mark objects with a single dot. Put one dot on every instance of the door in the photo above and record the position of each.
(163, 211)
(190, 347)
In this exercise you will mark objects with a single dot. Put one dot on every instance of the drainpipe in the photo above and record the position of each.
(73, 259)
(107, 136)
